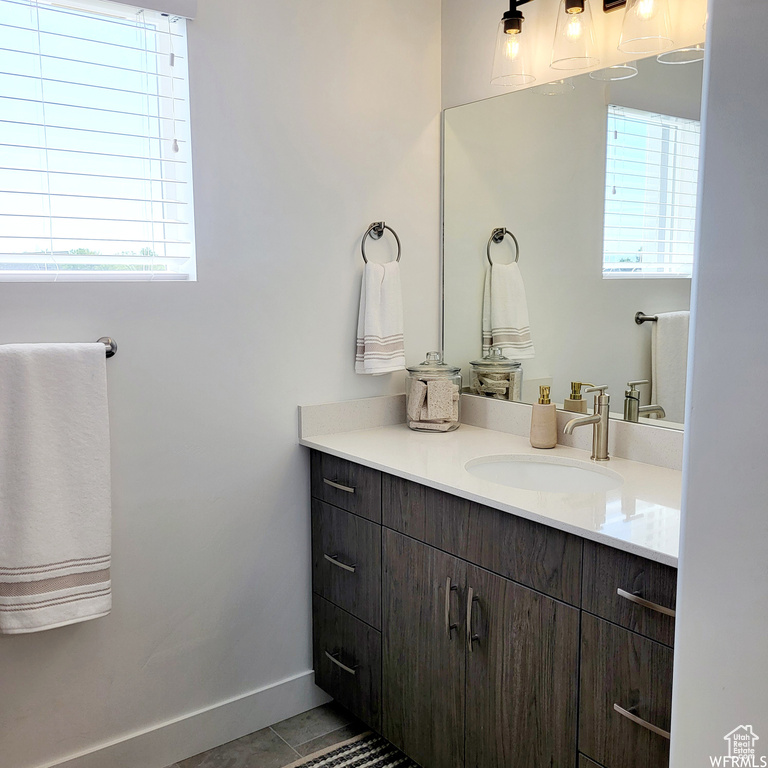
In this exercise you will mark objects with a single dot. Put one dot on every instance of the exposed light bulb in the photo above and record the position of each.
(645, 9)
(575, 28)
(512, 48)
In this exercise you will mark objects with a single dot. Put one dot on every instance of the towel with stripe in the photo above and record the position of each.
(55, 507)
(505, 313)
(380, 346)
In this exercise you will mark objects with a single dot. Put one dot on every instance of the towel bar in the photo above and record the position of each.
(110, 344)
(496, 237)
(641, 318)
(375, 232)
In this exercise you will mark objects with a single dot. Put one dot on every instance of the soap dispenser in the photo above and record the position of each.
(544, 421)
(576, 403)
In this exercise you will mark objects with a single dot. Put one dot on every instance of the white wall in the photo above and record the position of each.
(309, 123)
(469, 38)
(721, 661)
(536, 164)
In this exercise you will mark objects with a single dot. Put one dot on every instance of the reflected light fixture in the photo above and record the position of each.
(689, 55)
(646, 27)
(616, 72)
(574, 46)
(511, 58)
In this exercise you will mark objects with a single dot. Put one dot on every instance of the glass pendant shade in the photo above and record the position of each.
(616, 72)
(689, 55)
(574, 46)
(646, 27)
(511, 60)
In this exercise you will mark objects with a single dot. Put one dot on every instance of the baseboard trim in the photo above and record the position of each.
(168, 742)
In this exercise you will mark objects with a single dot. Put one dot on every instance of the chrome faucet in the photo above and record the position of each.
(599, 421)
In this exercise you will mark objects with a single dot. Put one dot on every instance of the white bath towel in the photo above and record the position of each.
(505, 313)
(55, 515)
(380, 322)
(669, 358)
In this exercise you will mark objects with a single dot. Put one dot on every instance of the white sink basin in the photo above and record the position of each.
(544, 473)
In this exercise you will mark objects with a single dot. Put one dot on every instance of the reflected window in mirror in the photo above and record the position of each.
(652, 168)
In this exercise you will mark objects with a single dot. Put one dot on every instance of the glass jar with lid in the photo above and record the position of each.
(432, 395)
(496, 376)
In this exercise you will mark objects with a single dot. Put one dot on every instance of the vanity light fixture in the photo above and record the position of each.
(574, 46)
(646, 27)
(510, 62)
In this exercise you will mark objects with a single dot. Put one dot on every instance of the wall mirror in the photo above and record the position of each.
(541, 163)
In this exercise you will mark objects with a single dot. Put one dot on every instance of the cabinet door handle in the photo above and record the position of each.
(448, 589)
(339, 486)
(639, 721)
(471, 599)
(334, 657)
(634, 598)
(334, 559)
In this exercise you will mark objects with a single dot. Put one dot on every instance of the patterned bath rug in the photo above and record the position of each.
(367, 750)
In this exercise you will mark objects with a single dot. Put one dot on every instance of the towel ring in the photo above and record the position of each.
(496, 237)
(376, 231)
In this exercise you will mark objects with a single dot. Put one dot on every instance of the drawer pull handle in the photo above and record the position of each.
(338, 486)
(471, 637)
(334, 657)
(639, 721)
(645, 603)
(334, 559)
(448, 589)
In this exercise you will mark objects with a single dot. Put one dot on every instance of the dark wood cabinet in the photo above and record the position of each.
(470, 637)
(626, 697)
(423, 651)
(522, 676)
(347, 660)
(346, 561)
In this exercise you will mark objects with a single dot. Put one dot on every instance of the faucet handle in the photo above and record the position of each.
(601, 389)
(633, 384)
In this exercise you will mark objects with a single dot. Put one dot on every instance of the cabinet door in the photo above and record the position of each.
(423, 658)
(522, 676)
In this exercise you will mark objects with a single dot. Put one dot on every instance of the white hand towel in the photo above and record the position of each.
(505, 313)
(669, 360)
(380, 322)
(55, 515)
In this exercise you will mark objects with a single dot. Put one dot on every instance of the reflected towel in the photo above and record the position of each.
(669, 359)
(55, 515)
(380, 322)
(505, 313)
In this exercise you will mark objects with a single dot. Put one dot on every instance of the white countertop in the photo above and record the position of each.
(642, 516)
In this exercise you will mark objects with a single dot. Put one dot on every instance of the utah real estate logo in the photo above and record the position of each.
(742, 752)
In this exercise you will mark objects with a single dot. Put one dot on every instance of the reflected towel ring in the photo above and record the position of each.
(375, 231)
(496, 237)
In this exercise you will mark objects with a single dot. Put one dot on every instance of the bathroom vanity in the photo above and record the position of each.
(481, 630)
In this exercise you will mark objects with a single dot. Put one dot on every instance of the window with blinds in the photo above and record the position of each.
(95, 174)
(651, 188)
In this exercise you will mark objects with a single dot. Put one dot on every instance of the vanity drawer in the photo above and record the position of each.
(585, 762)
(630, 591)
(346, 561)
(531, 554)
(347, 660)
(347, 485)
(622, 669)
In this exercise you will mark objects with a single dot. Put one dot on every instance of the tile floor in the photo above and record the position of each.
(282, 743)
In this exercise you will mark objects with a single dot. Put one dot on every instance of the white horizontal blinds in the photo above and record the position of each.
(95, 179)
(652, 166)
